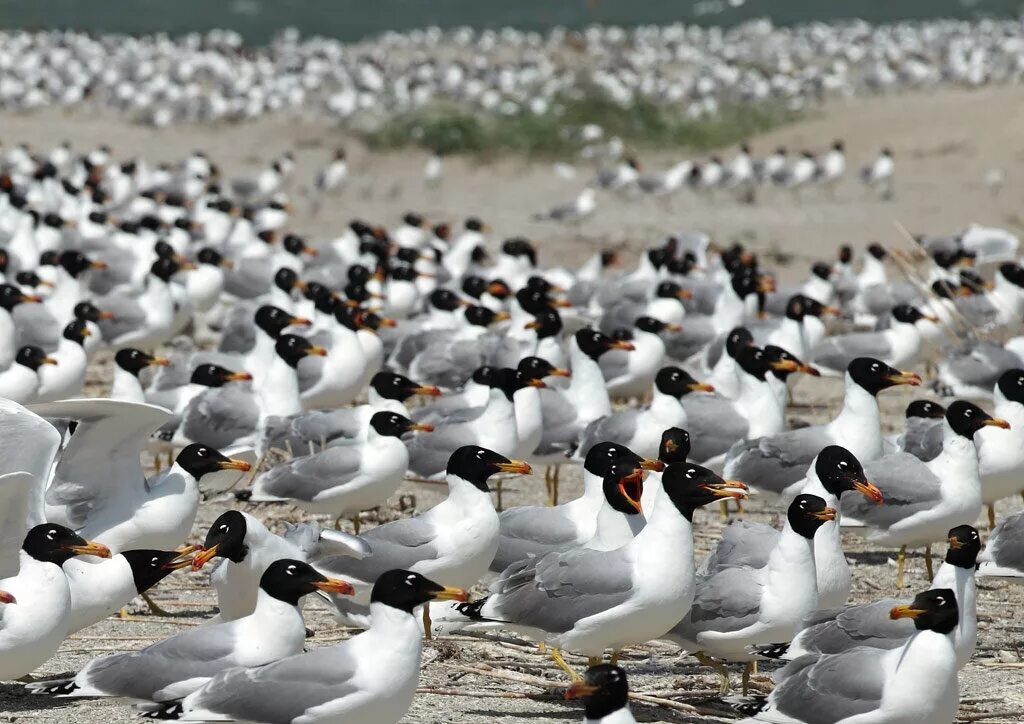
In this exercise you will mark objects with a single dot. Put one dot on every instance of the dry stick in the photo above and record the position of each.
(485, 694)
(1014, 715)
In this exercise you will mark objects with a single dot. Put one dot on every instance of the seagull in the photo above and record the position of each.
(638, 428)
(246, 548)
(128, 364)
(879, 174)
(631, 374)
(915, 682)
(107, 497)
(922, 436)
(453, 543)
(833, 630)
(898, 346)
(588, 601)
(175, 667)
(33, 628)
(1004, 555)
(735, 607)
(347, 477)
(583, 206)
(605, 694)
(771, 464)
(334, 681)
(1001, 451)
(924, 500)
(20, 382)
(67, 377)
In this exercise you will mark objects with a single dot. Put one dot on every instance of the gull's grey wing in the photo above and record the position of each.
(554, 592)
(35, 325)
(20, 493)
(415, 342)
(429, 453)
(697, 333)
(727, 600)
(1006, 546)
(614, 363)
(831, 688)
(250, 278)
(714, 425)
(621, 314)
(837, 352)
(776, 462)
(203, 651)
(450, 363)
(283, 690)
(561, 426)
(399, 544)
(743, 543)
(102, 456)
(978, 309)
(316, 426)
(238, 334)
(864, 625)
(907, 485)
(128, 315)
(922, 438)
(305, 477)
(532, 531)
(980, 365)
(220, 416)
(620, 427)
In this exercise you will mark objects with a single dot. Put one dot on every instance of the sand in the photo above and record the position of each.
(944, 144)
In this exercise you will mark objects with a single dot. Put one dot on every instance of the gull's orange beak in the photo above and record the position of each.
(422, 427)
(107, 315)
(92, 548)
(235, 464)
(897, 612)
(955, 543)
(532, 324)
(623, 344)
(450, 593)
(785, 365)
(49, 360)
(311, 251)
(301, 285)
(160, 361)
(808, 370)
(239, 377)
(184, 558)
(869, 491)
(997, 422)
(501, 316)
(631, 488)
(701, 387)
(519, 467)
(31, 298)
(905, 378)
(497, 288)
(5, 597)
(203, 557)
(428, 390)
(580, 689)
(187, 266)
(684, 294)
(98, 265)
(388, 322)
(299, 321)
(336, 585)
(930, 318)
(673, 327)
(86, 332)
(727, 489)
(832, 311)
(826, 514)
(653, 465)
(316, 351)
(227, 263)
(563, 303)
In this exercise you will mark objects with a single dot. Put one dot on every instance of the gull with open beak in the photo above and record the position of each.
(925, 500)
(333, 679)
(452, 543)
(589, 601)
(738, 606)
(177, 666)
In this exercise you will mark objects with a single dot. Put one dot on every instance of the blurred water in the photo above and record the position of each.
(258, 20)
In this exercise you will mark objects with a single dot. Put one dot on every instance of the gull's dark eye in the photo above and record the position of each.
(874, 368)
(224, 527)
(154, 562)
(290, 570)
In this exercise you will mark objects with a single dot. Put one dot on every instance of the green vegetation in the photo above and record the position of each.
(451, 129)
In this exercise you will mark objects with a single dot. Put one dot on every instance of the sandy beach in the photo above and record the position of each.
(944, 143)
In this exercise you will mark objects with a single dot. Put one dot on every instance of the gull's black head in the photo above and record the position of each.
(906, 313)
(33, 357)
(135, 360)
(1013, 273)
(932, 610)
(76, 331)
(966, 418)
(964, 547)
(445, 299)
(391, 424)
(845, 254)
(89, 312)
(874, 375)
(53, 543)
(807, 513)
(520, 248)
(392, 386)
(274, 320)
(738, 338)
(289, 580)
(476, 464)
(75, 262)
(292, 348)
(482, 316)
(1011, 385)
(822, 270)
(11, 296)
(650, 324)
(534, 301)
(795, 308)
(211, 257)
(600, 457)
(212, 375)
(286, 279)
(675, 446)
(753, 361)
(546, 324)
(165, 268)
(594, 344)
(839, 470)
(198, 460)
(225, 539)
(677, 382)
(535, 368)
(925, 409)
(877, 250)
(669, 290)
(623, 486)
(149, 567)
(783, 364)
(406, 590)
(691, 486)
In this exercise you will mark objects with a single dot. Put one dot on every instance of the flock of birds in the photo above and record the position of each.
(215, 77)
(268, 369)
